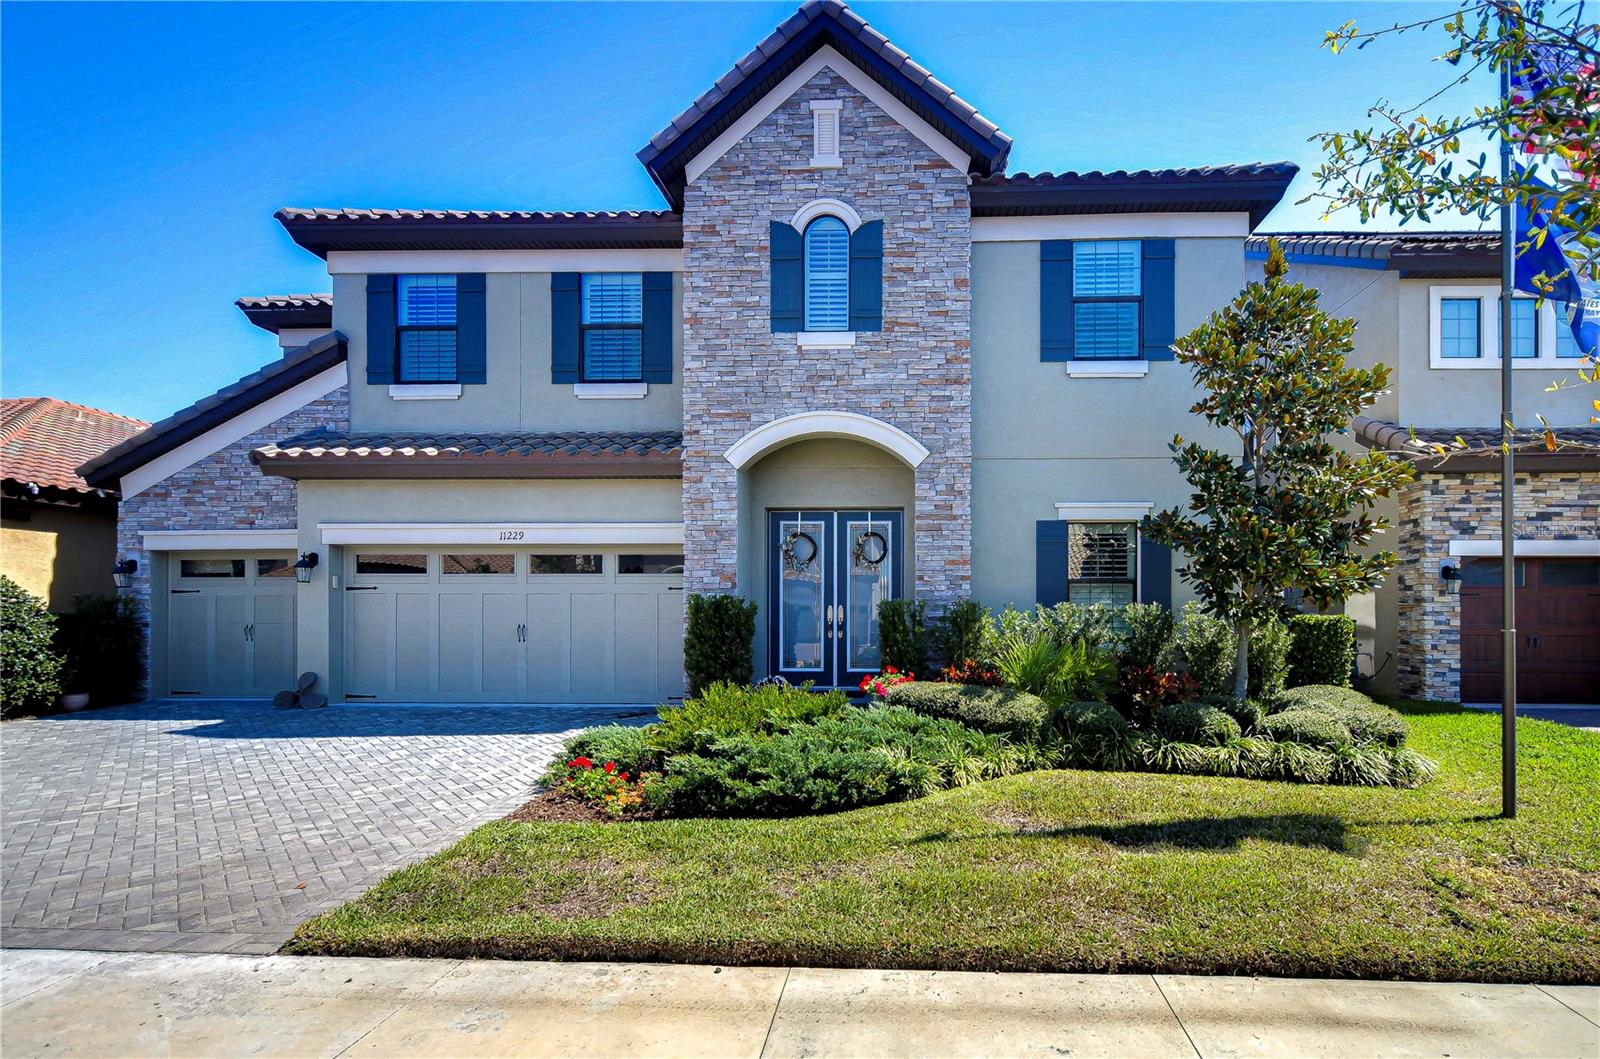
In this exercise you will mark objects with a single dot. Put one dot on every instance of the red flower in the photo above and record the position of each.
(611, 766)
(580, 763)
(624, 777)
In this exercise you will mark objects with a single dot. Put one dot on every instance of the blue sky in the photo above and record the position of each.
(146, 146)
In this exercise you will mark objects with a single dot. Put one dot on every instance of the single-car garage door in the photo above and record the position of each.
(486, 625)
(230, 624)
(1558, 630)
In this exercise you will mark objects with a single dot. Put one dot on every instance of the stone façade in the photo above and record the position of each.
(916, 373)
(1438, 508)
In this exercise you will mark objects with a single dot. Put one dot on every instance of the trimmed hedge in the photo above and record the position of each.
(30, 665)
(1206, 647)
(1089, 720)
(1248, 712)
(1366, 721)
(903, 635)
(962, 632)
(717, 643)
(103, 642)
(1005, 711)
(1308, 727)
(1322, 649)
(1196, 722)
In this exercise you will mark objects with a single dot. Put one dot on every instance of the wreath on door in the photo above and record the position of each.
(799, 551)
(871, 549)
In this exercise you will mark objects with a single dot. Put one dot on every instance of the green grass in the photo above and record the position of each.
(1060, 870)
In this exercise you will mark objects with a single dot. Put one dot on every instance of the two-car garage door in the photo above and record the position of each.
(497, 625)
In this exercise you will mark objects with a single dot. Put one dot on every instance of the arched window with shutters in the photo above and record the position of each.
(827, 272)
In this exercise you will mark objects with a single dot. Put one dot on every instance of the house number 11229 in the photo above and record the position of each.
(511, 535)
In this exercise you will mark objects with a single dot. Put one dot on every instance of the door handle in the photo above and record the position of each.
(247, 634)
(827, 622)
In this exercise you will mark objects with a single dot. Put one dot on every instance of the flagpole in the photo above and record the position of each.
(1508, 560)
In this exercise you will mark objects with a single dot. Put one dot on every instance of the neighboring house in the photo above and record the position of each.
(1428, 306)
(853, 360)
(57, 532)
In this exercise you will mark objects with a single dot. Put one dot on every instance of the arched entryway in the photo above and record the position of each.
(826, 514)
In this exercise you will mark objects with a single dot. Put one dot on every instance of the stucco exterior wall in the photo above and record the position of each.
(915, 373)
(223, 491)
(1439, 508)
(519, 394)
(319, 604)
(57, 554)
(1040, 437)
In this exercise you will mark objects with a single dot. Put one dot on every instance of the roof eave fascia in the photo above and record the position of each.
(341, 468)
(666, 165)
(108, 475)
(322, 237)
(1256, 197)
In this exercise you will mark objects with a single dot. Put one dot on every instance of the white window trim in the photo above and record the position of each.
(425, 391)
(221, 540)
(1489, 330)
(825, 339)
(825, 208)
(852, 426)
(823, 111)
(1527, 548)
(1103, 511)
(610, 391)
(378, 534)
(240, 426)
(1108, 369)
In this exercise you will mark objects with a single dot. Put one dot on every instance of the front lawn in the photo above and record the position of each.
(1058, 870)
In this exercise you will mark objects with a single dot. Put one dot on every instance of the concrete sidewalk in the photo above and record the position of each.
(66, 1003)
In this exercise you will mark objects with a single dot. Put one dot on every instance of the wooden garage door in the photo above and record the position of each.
(230, 624)
(494, 625)
(1558, 630)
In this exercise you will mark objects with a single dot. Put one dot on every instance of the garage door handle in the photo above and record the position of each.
(184, 592)
(361, 588)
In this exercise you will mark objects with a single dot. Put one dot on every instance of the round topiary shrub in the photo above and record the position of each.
(1366, 721)
(30, 665)
(1089, 720)
(1307, 727)
(1247, 712)
(1196, 722)
(1007, 711)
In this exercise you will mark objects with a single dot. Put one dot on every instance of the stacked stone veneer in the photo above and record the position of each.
(1439, 508)
(916, 373)
(223, 491)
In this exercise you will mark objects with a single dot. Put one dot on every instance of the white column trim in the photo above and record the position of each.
(849, 425)
(1527, 548)
(278, 540)
(506, 533)
(240, 426)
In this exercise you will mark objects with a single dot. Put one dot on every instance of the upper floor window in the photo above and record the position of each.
(1566, 344)
(1106, 293)
(612, 328)
(1524, 329)
(1459, 322)
(827, 275)
(425, 328)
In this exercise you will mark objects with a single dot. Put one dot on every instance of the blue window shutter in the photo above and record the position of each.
(380, 330)
(1055, 306)
(657, 345)
(1050, 550)
(1159, 297)
(866, 277)
(788, 279)
(565, 314)
(1155, 572)
(472, 329)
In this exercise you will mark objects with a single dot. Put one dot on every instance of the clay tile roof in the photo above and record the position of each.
(323, 230)
(294, 367)
(1434, 255)
(327, 452)
(43, 440)
(271, 312)
(816, 24)
(1470, 447)
(1253, 187)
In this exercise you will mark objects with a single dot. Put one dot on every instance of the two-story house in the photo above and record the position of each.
(853, 360)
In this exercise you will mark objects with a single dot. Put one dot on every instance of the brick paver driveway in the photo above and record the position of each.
(219, 827)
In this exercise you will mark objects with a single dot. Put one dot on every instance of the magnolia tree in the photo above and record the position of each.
(1287, 509)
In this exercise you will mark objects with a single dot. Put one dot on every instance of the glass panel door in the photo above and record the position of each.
(800, 628)
(868, 546)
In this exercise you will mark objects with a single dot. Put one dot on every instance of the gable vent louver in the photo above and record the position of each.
(825, 132)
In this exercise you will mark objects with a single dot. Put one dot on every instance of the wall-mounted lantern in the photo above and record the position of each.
(1450, 574)
(122, 573)
(303, 567)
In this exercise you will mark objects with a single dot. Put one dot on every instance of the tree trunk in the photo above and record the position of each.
(1241, 662)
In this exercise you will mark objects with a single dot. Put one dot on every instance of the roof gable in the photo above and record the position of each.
(819, 24)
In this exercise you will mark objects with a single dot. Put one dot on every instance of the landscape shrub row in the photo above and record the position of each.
(97, 648)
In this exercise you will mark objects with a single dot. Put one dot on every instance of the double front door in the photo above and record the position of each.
(828, 571)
